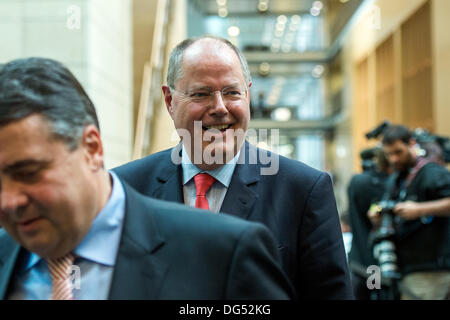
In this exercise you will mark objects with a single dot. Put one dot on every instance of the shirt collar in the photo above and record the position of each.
(223, 174)
(101, 243)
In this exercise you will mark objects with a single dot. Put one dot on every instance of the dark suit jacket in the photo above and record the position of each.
(297, 205)
(169, 251)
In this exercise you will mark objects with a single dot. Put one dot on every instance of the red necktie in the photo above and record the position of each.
(203, 182)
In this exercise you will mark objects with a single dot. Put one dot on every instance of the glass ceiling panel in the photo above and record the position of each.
(295, 33)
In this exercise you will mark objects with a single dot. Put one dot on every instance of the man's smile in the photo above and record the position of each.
(222, 127)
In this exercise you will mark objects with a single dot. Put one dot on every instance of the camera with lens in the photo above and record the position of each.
(382, 242)
(368, 157)
(431, 144)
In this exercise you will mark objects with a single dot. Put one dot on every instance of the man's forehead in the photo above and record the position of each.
(396, 145)
(206, 55)
(209, 48)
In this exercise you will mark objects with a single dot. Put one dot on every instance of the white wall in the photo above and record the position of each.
(110, 70)
(98, 53)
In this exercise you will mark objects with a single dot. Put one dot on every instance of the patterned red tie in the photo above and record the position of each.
(203, 182)
(60, 273)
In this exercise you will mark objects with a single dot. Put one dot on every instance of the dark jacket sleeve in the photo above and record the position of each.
(255, 271)
(323, 263)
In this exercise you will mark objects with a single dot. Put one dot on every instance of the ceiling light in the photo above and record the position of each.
(221, 3)
(318, 71)
(263, 6)
(318, 5)
(280, 27)
(279, 33)
(315, 12)
(295, 19)
(281, 114)
(282, 19)
(233, 31)
(223, 12)
(264, 69)
(341, 151)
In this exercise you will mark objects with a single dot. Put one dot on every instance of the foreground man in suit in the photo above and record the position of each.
(207, 95)
(74, 231)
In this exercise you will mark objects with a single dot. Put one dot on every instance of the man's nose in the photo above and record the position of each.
(393, 159)
(218, 104)
(11, 198)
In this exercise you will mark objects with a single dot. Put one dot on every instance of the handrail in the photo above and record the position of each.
(150, 70)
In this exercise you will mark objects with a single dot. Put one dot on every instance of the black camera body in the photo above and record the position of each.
(382, 241)
(424, 138)
(367, 157)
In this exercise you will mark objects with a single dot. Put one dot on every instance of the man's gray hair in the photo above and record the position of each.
(175, 70)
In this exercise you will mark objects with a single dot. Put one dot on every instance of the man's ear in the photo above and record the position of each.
(248, 93)
(93, 147)
(168, 100)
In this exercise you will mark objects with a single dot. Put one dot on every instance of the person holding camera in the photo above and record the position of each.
(421, 188)
(363, 190)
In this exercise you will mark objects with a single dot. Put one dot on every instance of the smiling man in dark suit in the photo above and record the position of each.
(208, 96)
(72, 230)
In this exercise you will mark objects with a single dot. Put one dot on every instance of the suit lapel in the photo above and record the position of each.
(9, 251)
(169, 179)
(241, 194)
(138, 273)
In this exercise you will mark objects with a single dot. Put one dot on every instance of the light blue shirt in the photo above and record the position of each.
(218, 190)
(95, 256)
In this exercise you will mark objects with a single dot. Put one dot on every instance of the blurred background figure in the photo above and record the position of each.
(415, 217)
(411, 214)
(364, 190)
(346, 232)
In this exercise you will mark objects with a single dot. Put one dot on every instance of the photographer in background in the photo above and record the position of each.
(365, 189)
(422, 189)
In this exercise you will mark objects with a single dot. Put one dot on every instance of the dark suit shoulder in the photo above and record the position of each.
(140, 174)
(286, 166)
(298, 169)
(145, 164)
(294, 174)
